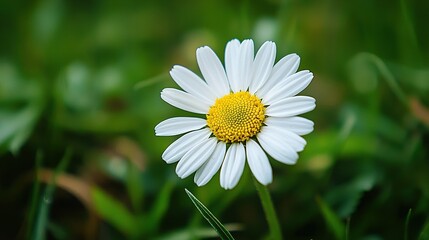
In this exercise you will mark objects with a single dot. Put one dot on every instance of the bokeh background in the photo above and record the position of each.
(80, 86)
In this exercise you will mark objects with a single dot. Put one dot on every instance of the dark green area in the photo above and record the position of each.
(87, 76)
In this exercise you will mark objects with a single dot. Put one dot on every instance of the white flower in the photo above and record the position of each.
(250, 109)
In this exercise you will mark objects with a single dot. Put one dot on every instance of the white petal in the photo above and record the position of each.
(288, 87)
(298, 125)
(205, 173)
(185, 101)
(262, 65)
(233, 165)
(283, 68)
(258, 162)
(213, 71)
(291, 106)
(245, 63)
(285, 136)
(192, 83)
(232, 51)
(277, 149)
(195, 157)
(181, 146)
(179, 125)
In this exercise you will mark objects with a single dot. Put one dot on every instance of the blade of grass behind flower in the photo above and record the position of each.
(34, 195)
(407, 223)
(158, 211)
(41, 223)
(135, 187)
(114, 212)
(151, 81)
(347, 229)
(424, 234)
(214, 222)
(332, 220)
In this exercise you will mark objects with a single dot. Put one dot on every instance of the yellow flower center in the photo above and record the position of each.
(236, 117)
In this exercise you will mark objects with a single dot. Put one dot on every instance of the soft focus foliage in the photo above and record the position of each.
(84, 77)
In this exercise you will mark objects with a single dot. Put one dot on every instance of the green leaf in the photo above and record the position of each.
(214, 222)
(114, 212)
(21, 103)
(407, 223)
(15, 127)
(345, 197)
(161, 205)
(134, 187)
(424, 234)
(41, 223)
(332, 220)
(35, 194)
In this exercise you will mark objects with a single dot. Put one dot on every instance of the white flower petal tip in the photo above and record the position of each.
(178, 125)
(277, 149)
(258, 162)
(184, 101)
(233, 166)
(231, 64)
(288, 87)
(192, 83)
(291, 106)
(262, 65)
(195, 158)
(298, 125)
(181, 146)
(245, 64)
(213, 71)
(211, 166)
(287, 66)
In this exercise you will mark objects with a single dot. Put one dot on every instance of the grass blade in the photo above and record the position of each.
(407, 223)
(332, 220)
(41, 223)
(160, 207)
(424, 234)
(114, 212)
(34, 195)
(214, 222)
(347, 229)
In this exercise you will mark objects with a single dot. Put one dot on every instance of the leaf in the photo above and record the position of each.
(424, 234)
(114, 212)
(21, 103)
(332, 220)
(34, 195)
(345, 197)
(214, 222)
(160, 207)
(407, 223)
(134, 187)
(41, 222)
(15, 127)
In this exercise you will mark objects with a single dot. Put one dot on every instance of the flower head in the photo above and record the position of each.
(250, 109)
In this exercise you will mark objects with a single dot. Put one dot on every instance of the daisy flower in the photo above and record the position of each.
(249, 109)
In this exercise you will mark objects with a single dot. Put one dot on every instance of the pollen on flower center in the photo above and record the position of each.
(236, 117)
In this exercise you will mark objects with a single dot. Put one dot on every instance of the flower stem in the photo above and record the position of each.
(270, 213)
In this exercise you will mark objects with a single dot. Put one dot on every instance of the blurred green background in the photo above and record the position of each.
(79, 97)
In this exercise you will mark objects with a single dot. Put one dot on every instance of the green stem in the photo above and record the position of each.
(270, 212)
